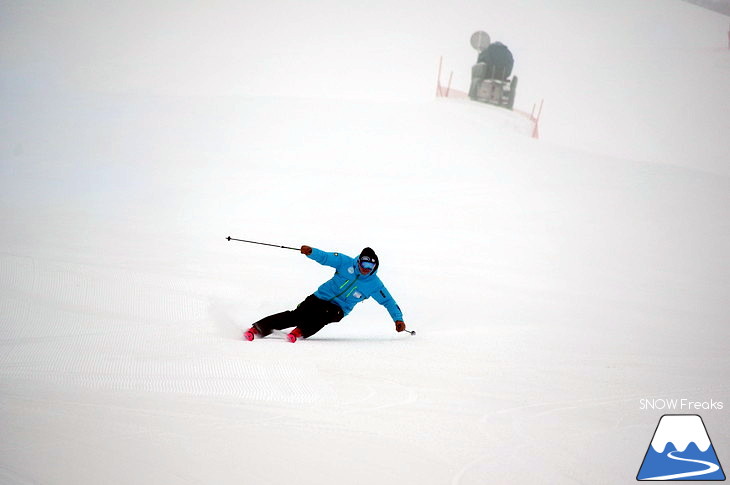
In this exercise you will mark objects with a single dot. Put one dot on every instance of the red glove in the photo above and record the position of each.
(400, 326)
(306, 250)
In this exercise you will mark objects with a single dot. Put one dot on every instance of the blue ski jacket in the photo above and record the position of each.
(348, 286)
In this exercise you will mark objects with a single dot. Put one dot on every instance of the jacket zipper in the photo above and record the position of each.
(340, 293)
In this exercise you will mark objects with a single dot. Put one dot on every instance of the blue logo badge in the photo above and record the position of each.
(681, 450)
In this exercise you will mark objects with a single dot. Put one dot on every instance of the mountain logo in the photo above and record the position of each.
(681, 450)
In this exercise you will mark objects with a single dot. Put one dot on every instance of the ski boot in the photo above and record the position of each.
(294, 335)
(251, 333)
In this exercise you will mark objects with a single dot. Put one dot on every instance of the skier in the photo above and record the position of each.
(354, 281)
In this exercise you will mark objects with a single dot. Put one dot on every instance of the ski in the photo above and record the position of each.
(254, 332)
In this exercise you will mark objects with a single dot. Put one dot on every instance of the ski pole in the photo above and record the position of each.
(229, 238)
(412, 332)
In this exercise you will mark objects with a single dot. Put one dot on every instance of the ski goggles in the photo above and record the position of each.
(367, 264)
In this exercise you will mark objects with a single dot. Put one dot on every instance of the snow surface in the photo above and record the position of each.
(552, 284)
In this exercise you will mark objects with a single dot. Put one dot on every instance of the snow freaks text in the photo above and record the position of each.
(663, 404)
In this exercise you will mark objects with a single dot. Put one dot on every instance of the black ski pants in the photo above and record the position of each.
(310, 316)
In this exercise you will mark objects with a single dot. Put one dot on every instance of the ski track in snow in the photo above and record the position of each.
(131, 339)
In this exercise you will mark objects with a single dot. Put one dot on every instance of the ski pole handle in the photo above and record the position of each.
(229, 238)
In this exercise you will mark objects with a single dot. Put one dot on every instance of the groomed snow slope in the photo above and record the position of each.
(551, 290)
